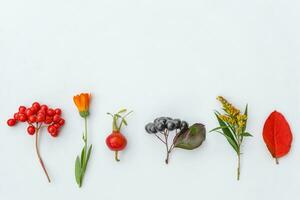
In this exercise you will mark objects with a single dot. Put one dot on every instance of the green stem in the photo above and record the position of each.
(85, 132)
(116, 156)
(239, 167)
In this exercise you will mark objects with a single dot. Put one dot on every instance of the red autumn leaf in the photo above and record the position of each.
(277, 135)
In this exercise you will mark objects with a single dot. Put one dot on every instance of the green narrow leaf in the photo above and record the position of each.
(246, 134)
(215, 129)
(124, 121)
(246, 113)
(231, 142)
(122, 111)
(82, 156)
(226, 130)
(88, 155)
(78, 171)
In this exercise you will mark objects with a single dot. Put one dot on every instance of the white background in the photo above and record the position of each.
(159, 57)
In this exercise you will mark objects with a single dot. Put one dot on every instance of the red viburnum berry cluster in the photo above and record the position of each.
(38, 115)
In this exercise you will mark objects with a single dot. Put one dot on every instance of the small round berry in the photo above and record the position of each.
(11, 122)
(56, 125)
(22, 117)
(171, 125)
(184, 125)
(34, 110)
(177, 123)
(28, 112)
(44, 108)
(16, 115)
(41, 112)
(61, 122)
(36, 106)
(48, 120)
(160, 126)
(52, 129)
(58, 111)
(56, 118)
(22, 109)
(40, 118)
(32, 119)
(31, 130)
(55, 133)
(50, 112)
(148, 126)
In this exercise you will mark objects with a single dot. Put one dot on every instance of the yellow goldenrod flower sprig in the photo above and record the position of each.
(233, 125)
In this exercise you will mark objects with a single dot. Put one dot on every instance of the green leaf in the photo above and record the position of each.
(78, 172)
(225, 130)
(191, 138)
(124, 121)
(82, 156)
(231, 142)
(246, 113)
(88, 155)
(246, 134)
(122, 111)
(215, 129)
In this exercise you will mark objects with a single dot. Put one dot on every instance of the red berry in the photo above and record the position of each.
(48, 120)
(36, 106)
(16, 115)
(58, 111)
(61, 122)
(52, 129)
(22, 109)
(56, 118)
(31, 130)
(50, 112)
(32, 119)
(34, 110)
(40, 117)
(55, 133)
(56, 126)
(11, 122)
(22, 117)
(44, 108)
(28, 112)
(41, 112)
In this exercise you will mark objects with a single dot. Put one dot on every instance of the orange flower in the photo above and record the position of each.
(82, 102)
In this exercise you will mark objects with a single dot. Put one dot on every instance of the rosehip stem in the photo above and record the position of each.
(116, 156)
(38, 152)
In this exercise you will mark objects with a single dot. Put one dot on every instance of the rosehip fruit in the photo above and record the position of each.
(11, 122)
(58, 111)
(31, 130)
(22, 109)
(36, 106)
(50, 112)
(32, 119)
(56, 118)
(22, 117)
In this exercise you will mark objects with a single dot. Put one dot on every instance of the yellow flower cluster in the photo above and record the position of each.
(228, 107)
(233, 116)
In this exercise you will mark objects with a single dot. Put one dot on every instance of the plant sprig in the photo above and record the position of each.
(233, 127)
